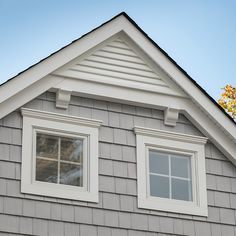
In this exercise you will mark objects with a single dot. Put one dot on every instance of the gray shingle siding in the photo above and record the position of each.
(117, 212)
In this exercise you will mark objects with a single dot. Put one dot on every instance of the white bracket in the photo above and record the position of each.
(171, 116)
(63, 98)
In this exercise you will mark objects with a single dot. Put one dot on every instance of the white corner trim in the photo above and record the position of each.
(171, 116)
(63, 98)
(60, 117)
(170, 135)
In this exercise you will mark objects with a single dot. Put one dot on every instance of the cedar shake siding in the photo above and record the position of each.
(116, 213)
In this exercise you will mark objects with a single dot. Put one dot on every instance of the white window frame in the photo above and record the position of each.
(61, 126)
(173, 143)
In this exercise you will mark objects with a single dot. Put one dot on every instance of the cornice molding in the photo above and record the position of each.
(170, 135)
(60, 117)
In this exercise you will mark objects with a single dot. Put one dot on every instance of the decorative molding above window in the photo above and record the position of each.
(171, 171)
(59, 155)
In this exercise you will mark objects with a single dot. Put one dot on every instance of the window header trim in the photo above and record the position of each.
(170, 135)
(26, 112)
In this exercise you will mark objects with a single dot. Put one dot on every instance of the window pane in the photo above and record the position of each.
(181, 189)
(158, 163)
(46, 171)
(180, 166)
(159, 186)
(47, 146)
(71, 174)
(71, 149)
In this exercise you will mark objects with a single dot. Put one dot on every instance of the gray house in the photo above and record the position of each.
(109, 136)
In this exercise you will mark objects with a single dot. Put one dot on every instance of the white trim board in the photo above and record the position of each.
(61, 118)
(197, 107)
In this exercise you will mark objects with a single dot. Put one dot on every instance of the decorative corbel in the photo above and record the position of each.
(171, 116)
(63, 98)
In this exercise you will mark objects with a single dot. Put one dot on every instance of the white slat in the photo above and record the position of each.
(118, 56)
(119, 40)
(120, 51)
(119, 75)
(110, 80)
(119, 45)
(114, 61)
(118, 68)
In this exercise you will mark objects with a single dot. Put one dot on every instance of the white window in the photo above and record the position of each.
(171, 171)
(59, 155)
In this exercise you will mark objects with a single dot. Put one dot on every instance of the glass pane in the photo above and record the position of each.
(180, 166)
(181, 189)
(46, 171)
(71, 149)
(159, 186)
(158, 163)
(47, 146)
(71, 174)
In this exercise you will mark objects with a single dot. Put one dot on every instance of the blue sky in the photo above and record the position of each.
(199, 35)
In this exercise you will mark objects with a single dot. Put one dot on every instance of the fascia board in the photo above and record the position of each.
(27, 94)
(62, 57)
(206, 124)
